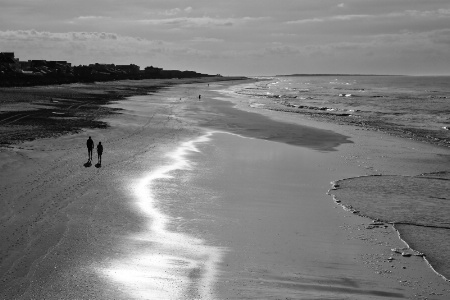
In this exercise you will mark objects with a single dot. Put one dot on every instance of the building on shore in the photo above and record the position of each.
(38, 71)
(129, 69)
(8, 63)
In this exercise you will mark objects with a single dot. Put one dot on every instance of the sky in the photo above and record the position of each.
(235, 37)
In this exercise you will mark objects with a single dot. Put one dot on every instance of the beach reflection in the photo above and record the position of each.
(165, 264)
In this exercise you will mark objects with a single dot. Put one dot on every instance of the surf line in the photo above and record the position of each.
(166, 264)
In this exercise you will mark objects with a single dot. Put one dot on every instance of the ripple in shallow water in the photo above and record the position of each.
(418, 205)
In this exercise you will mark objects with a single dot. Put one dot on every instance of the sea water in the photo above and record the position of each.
(413, 106)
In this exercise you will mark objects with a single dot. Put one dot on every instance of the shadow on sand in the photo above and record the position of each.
(88, 164)
(99, 165)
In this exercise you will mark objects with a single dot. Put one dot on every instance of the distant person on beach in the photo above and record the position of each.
(90, 146)
(199, 96)
(99, 152)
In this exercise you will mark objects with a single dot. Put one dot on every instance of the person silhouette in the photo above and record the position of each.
(99, 152)
(90, 146)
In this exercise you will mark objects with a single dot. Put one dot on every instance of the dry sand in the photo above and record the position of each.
(75, 232)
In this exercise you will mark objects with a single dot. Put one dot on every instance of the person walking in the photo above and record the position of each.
(99, 152)
(90, 146)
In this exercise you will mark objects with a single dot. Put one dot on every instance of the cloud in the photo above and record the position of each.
(200, 21)
(88, 47)
(440, 37)
(283, 35)
(99, 42)
(431, 14)
(394, 45)
(91, 18)
(331, 19)
(206, 40)
(304, 21)
(87, 19)
(44, 36)
(176, 11)
(439, 13)
(383, 45)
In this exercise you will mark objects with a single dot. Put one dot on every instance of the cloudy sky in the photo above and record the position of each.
(235, 37)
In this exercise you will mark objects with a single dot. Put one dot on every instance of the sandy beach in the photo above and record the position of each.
(208, 198)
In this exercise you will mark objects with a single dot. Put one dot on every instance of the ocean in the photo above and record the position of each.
(413, 107)
(416, 107)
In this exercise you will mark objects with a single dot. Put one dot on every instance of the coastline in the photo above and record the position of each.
(101, 202)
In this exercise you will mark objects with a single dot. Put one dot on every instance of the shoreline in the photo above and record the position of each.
(100, 203)
(409, 250)
(420, 254)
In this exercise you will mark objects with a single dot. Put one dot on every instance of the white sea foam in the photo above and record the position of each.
(164, 264)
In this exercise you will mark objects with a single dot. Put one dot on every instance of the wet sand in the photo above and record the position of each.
(71, 232)
(282, 237)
